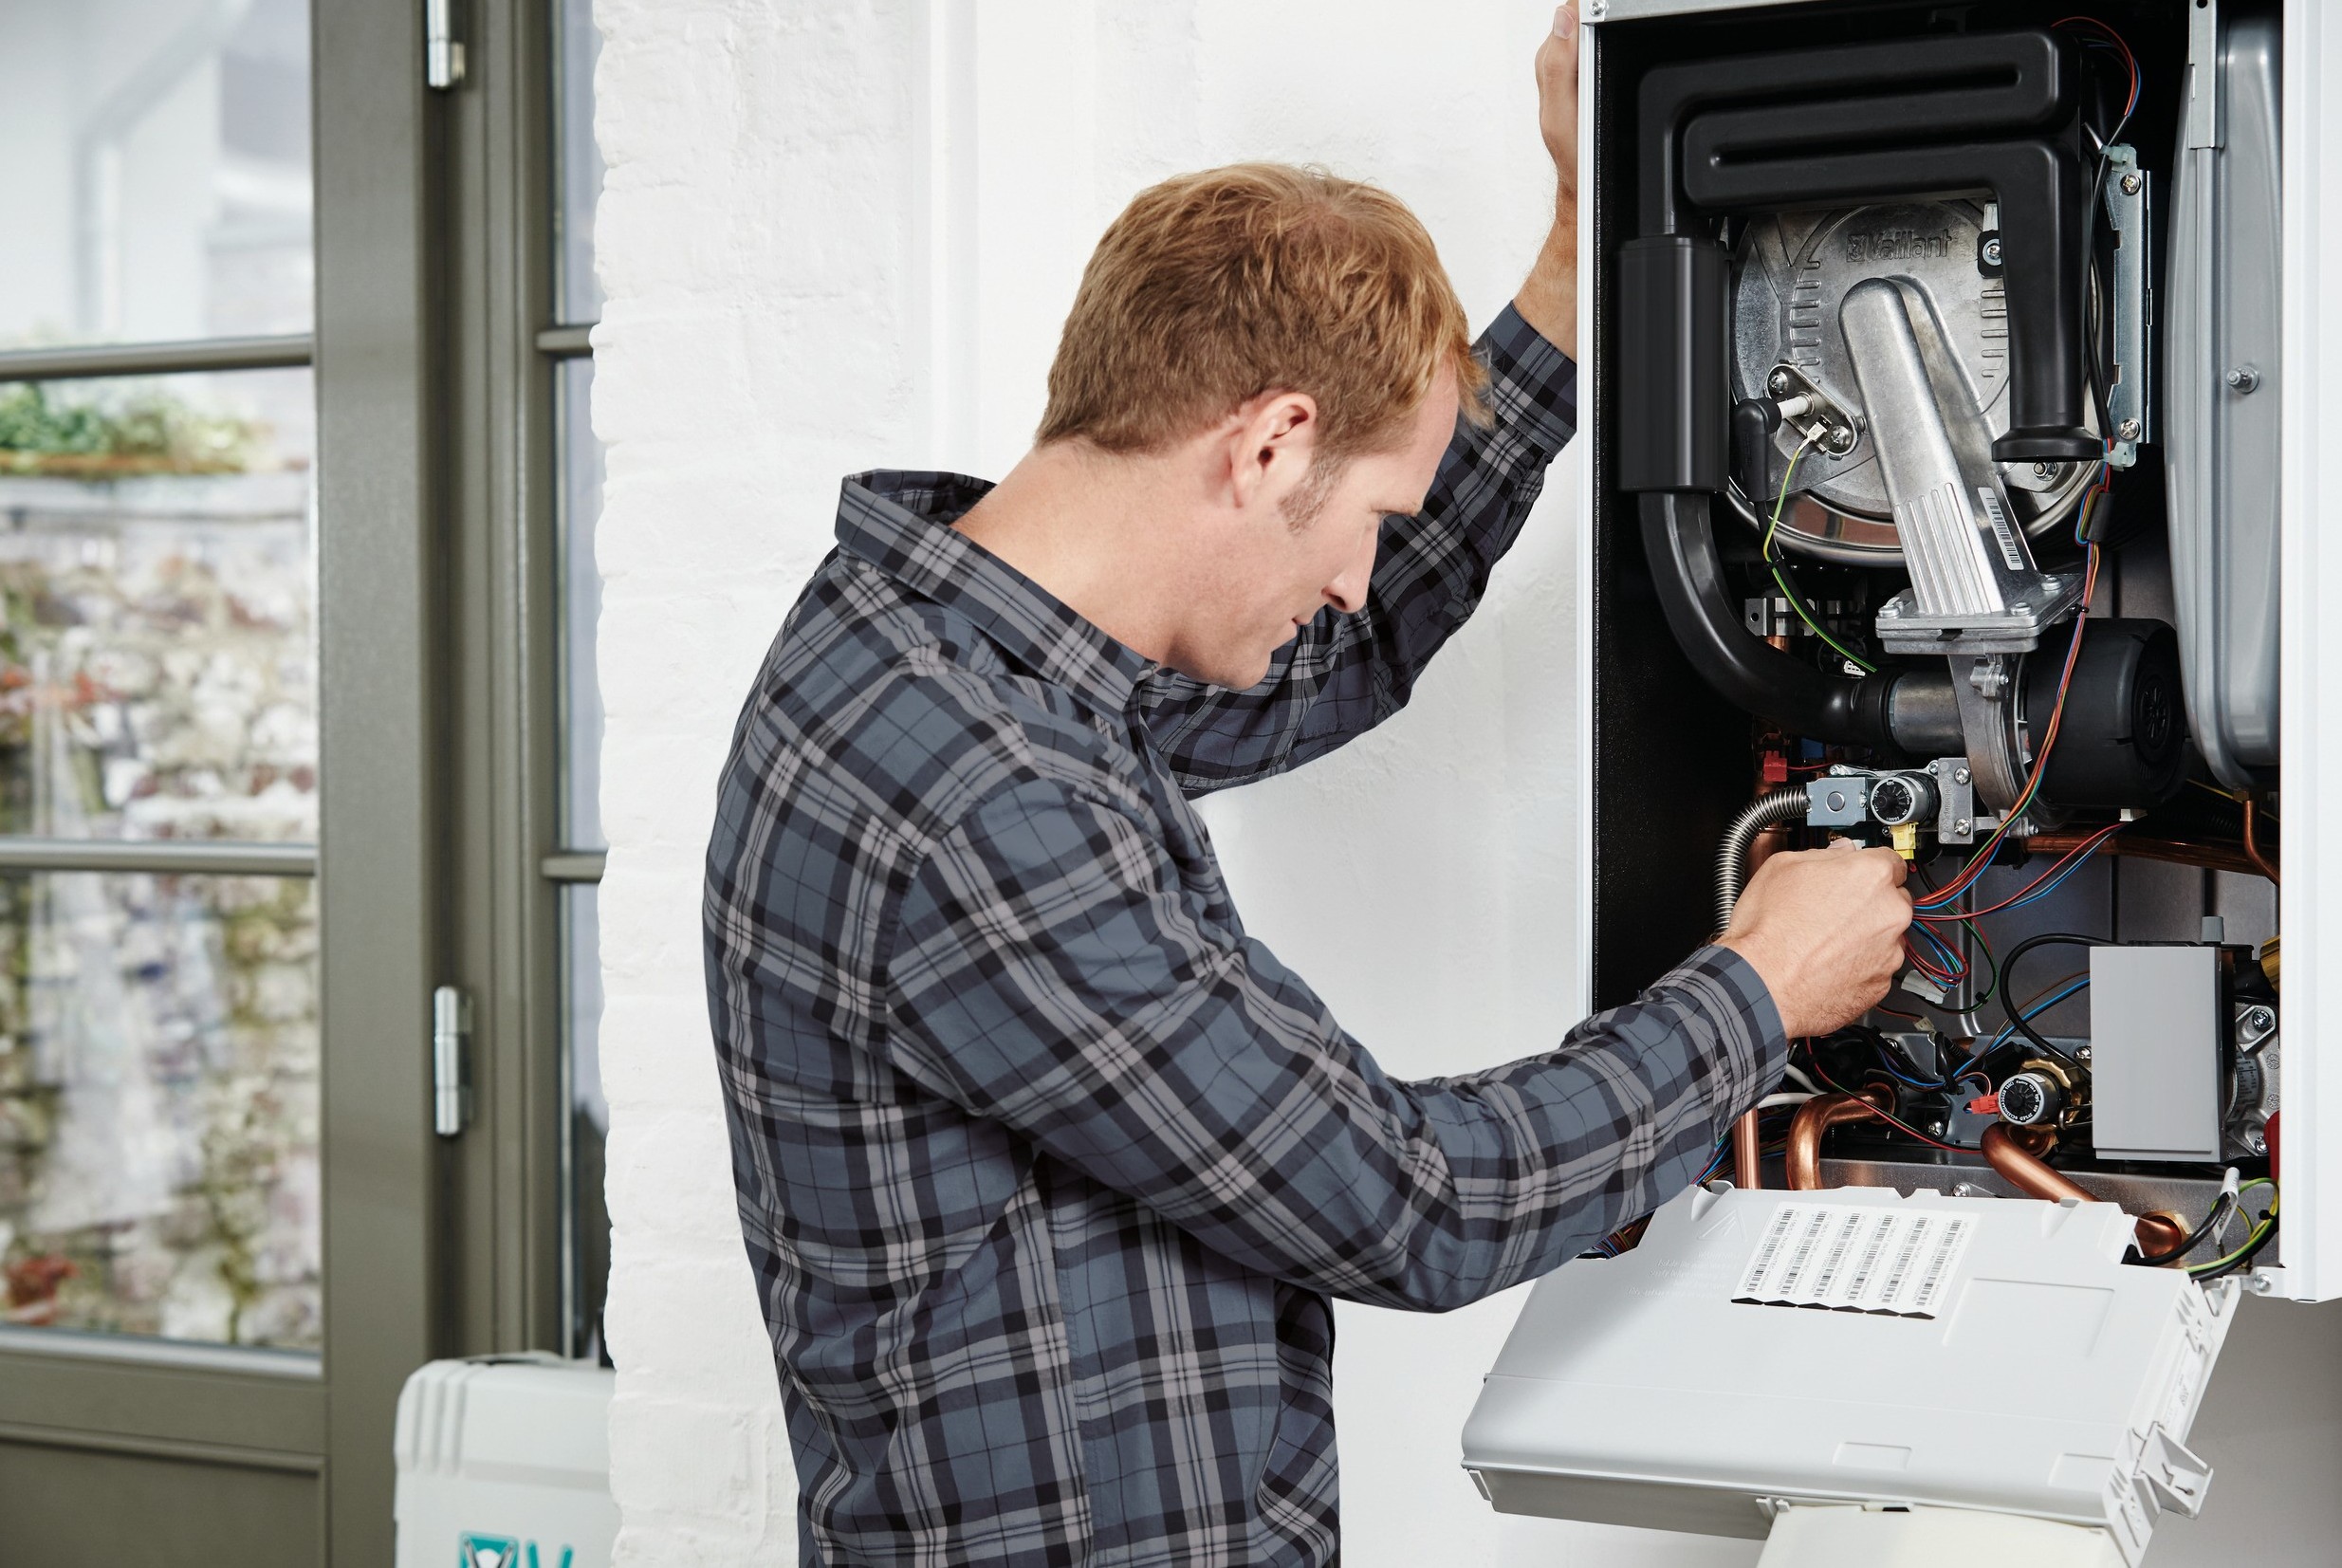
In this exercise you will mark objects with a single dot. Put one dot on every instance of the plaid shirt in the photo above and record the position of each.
(1046, 1169)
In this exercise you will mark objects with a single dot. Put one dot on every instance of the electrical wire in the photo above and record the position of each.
(1889, 1117)
(2101, 36)
(1982, 858)
(2023, 1021)
(2222, 1206)
(2034, 891)
(1781, 578)
(2254, 1243)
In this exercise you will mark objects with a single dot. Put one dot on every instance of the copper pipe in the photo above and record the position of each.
(2015, 1153)
(1748, 1163)
(2252, 840)
(1814, 1117)
(2209, 856)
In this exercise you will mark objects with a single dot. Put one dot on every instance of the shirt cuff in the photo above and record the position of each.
(1732, 996)
(1532, 385)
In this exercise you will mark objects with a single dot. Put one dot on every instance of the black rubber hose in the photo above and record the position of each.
(1680, 538)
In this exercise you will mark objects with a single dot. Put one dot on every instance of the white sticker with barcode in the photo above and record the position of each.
(1997, 515)
(1855, 1259)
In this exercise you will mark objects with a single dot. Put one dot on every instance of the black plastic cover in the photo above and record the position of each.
(2122, 741)
(1674, 364)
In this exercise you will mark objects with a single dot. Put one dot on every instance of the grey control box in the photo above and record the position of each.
(2155, 1017)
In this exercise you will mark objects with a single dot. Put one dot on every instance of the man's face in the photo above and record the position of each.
(1307, 543)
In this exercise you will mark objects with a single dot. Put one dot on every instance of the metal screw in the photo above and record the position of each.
(1779, 383)
(2128, 430)
(1960, 775)
(2040, 471)
(2081, 1053)
(2245, 378)
(1992, 251)
(2131, 184)
(2256, 1140)
(1961, 825)
(1935, 1128)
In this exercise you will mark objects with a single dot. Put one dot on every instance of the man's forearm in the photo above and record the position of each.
(1548, 299)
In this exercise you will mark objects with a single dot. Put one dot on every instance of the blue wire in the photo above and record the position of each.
(2038, 894)
(1956, 966)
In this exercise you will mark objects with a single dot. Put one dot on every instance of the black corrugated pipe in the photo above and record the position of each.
(1907, 711)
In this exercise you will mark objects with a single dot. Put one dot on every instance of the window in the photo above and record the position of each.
(297, 730)
(160, 1033)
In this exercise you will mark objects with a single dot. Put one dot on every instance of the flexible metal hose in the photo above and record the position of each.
(1765, 811)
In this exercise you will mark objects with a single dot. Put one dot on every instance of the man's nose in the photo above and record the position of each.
(1347, 591)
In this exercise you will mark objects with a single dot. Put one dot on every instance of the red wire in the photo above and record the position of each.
(2130, 62)
(2087, 848)
(1975, 868)
(1813, 1058)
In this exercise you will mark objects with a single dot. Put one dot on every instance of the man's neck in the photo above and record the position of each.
(1093, 530)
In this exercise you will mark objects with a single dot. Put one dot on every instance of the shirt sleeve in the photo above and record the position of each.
(1050, 974)
(1342, 674)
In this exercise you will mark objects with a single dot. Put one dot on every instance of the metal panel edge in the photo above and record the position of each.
(1637, 10)
(1581, 548)
(2311, 745)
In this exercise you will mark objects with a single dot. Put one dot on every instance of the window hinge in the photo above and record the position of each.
(451, 1066)
(443, 54)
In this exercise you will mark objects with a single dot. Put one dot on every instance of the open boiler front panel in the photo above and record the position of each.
(1952, 487)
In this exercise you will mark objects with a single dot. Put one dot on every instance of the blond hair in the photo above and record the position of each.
(1215, 288)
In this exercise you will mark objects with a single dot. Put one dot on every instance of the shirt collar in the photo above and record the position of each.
(901, 523)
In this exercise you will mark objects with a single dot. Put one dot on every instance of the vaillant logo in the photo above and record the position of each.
(1898, 244)
(503, 1552)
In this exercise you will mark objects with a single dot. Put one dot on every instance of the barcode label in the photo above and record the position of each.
(1997, 516)
(1855, 1259)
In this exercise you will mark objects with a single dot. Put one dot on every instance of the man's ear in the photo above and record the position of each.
(1269, 449)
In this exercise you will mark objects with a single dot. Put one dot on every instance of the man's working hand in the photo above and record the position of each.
(1823, 929)
(1548, 301)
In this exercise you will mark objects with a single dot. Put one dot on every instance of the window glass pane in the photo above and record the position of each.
(159, 1106)
(581, 607)
(578, 295)
(158, 169)
(587, 1222)
(158, 656)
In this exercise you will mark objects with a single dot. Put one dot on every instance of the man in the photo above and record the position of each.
(1045, 1169)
